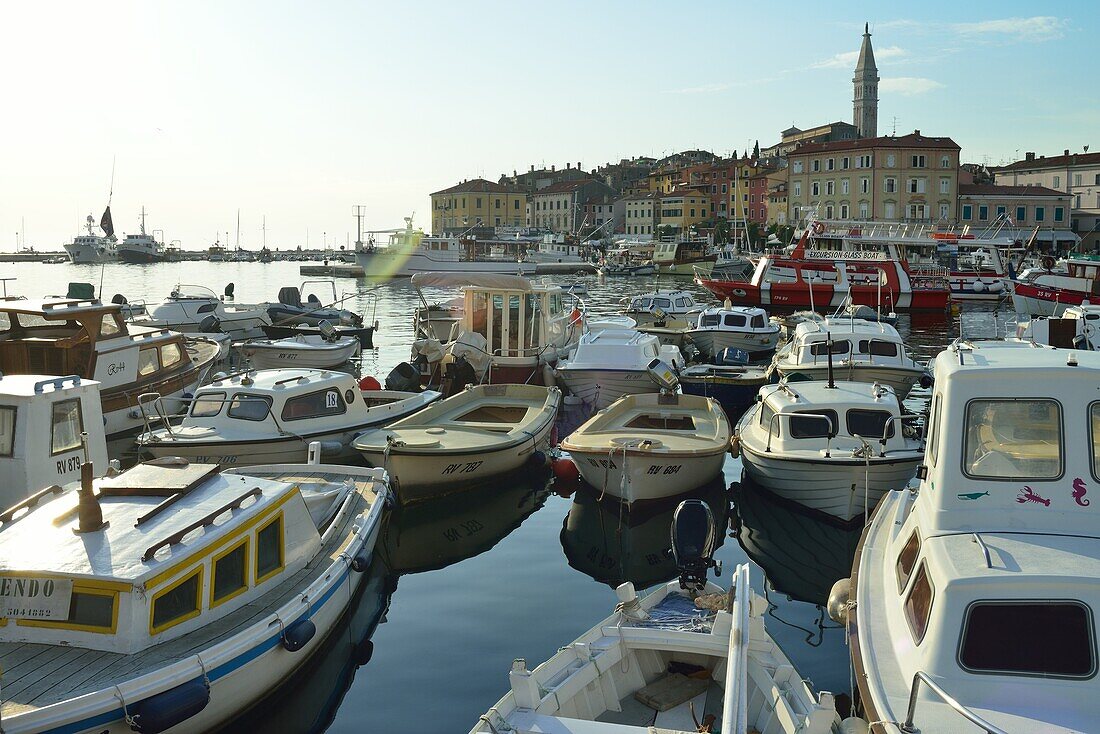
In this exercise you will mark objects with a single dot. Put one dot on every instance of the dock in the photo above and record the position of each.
(346, 270)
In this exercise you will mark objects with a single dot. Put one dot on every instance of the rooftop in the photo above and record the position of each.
(913, 140)
(478, 186)
(1057, 161)
(1013, 191)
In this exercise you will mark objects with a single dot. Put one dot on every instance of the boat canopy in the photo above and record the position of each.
(478, 280)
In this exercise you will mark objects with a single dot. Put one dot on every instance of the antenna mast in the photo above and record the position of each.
(359, 211)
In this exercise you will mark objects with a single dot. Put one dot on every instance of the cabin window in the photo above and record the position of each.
(269, 549)
(821, 349)
(933, 450)
(7, 430)
(735, 320)
(682, 303)
(918, 604)
(907, 559)
(878, 348)
(813, 424)
(664, 303)
(709, 320)
(314, 405)
(249, 407)
(178, 603)
(148, 363)
(1013, 439)
(531, 322)
(66, 425)
(479, 320)
(170, 354)
(207, 404)
(870, 423)
(555, 304)
(92, 608)
(230, 571)
(1040, 638)
(1094, 430)
(758, 322)
(108, 325)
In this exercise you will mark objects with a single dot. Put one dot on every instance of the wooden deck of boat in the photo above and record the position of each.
(36, 675)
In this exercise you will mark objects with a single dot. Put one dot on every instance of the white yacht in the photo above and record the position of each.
(735, 327)
(193, 309)
(410, 251)
(610, 363)
(272, 416)
(855, 349)
(141, 248)
(555, 249)
(91, 247)
(974, 597)
(832, 447)
(663, 306)
(174, 596)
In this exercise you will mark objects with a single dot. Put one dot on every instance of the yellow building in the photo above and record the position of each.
(477, 203)
(683, 208)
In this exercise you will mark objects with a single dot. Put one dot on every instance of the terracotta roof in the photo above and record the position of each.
(905, 141)
(1057, 161)
(478, 186)
(1013, 191)
(564, 186)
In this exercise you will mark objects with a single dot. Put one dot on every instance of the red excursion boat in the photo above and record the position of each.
(837, 277)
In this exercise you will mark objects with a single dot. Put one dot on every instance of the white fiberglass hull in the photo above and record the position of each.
(335, 446)
(713, 341)
(833, 486)
(1028, 306)
(603, 387)
(89, 255)
(381, 264)
(650, 475)
(287, 354)
(901, 379)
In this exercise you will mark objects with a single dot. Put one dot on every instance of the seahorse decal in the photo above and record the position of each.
(1027, 494)
(1079, 490)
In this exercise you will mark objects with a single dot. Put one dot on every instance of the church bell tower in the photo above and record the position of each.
(865, 82)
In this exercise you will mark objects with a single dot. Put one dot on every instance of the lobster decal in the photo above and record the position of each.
(1079, 490)
(1027, 494)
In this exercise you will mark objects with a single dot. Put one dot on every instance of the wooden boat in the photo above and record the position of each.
(316, 352)
(217, 587)
(67, 336)
(272, 416)
(835, 447)
(650, 446)
(735, 327)
(482, 432)
(973, 599)
(610, 363)
(49, 426)
(1049, 291)
(662, 664)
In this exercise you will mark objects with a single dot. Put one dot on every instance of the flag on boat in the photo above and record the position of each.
(106, 224)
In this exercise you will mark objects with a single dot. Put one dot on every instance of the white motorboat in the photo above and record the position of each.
(688, 655)
(735, 327)
(1077, 328)
(856, 349)
(291, 311)
(610, 363)
(833, 447)
(482, 432)
(174, 596)
(49, 426)
(93, 248)
(662, 306)
(195, 309)
(646, 447)
(69, 336)
(974, 597)
(271, 417)
(315, 351)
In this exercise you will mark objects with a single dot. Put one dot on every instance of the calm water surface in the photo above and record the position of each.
(463, 585)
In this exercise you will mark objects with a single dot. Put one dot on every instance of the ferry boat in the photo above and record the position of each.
(974, 597)
(67, 336)
(141, 248)
(826, 279)
(93, 248)
(174, 596)
(410, 251)
(1049, 292)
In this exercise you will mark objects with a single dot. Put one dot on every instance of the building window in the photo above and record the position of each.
(796, 167)
(815, 189)
(945, 185)
(843, 211)
(477, 203)
(1040, 214)
(918, 161)
(844, 163)
(1076, 179)
(1057, 182)
(515, 203)
(1021, 214)
(888, 209)
(863, 210)
(844, 187)
(916, 186)
(968, 212)
(797, 190)
(1001, 211)
(829, 188)
(890, 185)
(1059, 214)
(891, 160)
(945, 211)
(983, 213)
(945, 161)
(864, 185)
(816, 165)
(830, 164)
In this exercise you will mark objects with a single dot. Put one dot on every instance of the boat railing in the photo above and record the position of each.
(155, 334)
(56, 383)
(921, 677)
(812, 416)
(886, 430)
(735, 699)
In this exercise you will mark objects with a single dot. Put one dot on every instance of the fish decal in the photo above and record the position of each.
(1079, 490)
(1027, 494)
(972, 495)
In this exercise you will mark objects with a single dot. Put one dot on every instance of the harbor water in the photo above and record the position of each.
(463, 585)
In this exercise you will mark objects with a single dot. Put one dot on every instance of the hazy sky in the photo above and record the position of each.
(298, 111)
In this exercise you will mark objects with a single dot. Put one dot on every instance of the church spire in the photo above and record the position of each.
(865, 83)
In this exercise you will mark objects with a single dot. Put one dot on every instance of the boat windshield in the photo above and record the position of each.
(1013, 439)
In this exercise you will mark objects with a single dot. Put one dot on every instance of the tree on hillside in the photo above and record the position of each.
(756, 151)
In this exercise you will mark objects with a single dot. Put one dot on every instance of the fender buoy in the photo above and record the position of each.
(174, 706)
(297, 635)
(369, 383)
(735, 446)
(565, 470)
(360, 562)
(978, 287)
(819, 228)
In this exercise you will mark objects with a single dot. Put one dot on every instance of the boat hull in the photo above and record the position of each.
(1034, 300)
(797, 296)
(279, 356)
(380, 264)
(650, 475)
(760, 347)
(603, 387)
(138, 257)
(735, 398)
(88, 255)
(836, 487)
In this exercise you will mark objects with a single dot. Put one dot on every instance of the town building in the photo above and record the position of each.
(682, 209)
(1017, 211)
(626, 173)
(602, 215)
(911, 178)
(536, 180)
(558, 207)
(792, 137)
(1076, 174)
(759, 187)
(477, 203)
(777, 204)
(640, 215)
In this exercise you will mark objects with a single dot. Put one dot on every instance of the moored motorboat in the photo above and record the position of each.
(661, 306)
(650, 446)
(272, 416)
(734, 387)
(735, 327)
(319, 351)
(482, 432)
(1077, 328)
(192, 309)
(610, 363)
(974, 597)
(174, 596)
(835, 447)
(291, 311)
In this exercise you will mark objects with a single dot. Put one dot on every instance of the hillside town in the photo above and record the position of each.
(844, 172)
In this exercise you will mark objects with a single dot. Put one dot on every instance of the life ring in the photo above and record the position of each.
(819, 228)
(1047, 262)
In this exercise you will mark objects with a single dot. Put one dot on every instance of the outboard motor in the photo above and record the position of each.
(229, 291)
(119, 299)
(210, 325)
(460, 373)
(693, 544)
(663, 375)
(404, 378)
(328, 331)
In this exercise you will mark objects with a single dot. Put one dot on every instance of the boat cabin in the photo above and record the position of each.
(854, 340)
(673, 303)
(1078, 328)
(746, 319)
(43, 424)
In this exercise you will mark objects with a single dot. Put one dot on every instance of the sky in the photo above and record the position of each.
(293, 113)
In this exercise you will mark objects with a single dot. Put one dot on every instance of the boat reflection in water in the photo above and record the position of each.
(308, 700)
(802, 553)
(613, 542)
(436, 533)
